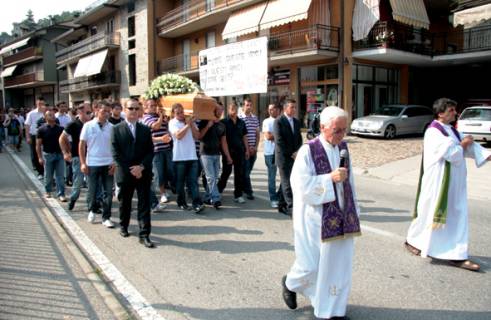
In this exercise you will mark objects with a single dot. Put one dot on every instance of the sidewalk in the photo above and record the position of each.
(40, 277)
(406, 172)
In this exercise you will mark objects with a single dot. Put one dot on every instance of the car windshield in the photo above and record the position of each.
(476, 114)
(388, 111)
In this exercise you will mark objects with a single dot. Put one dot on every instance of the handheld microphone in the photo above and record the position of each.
(343, 155)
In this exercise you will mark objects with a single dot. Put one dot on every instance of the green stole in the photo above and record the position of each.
(440, 215)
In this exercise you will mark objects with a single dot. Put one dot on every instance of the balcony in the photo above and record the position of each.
(182, 64)
(24, 80)
(307, 44)
(303, 44)
(101, 80)
(86, 46)
(420, 41)
(196, 15)
(26, 55)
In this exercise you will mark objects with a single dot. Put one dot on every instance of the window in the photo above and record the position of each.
(132, 69)
(210, 4)
(210, 39)
(110, 26)
(230, 40)
(131, 6)
(93, 30)
(131, 44)
(131, 26)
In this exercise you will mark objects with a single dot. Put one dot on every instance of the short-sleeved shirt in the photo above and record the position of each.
(184, 149)
(73, 129)
(252, 125)
(149, 119)
(210, 143)
(98, 141)
(41, 121)
(268, 126)
(115, 121)
(49, 136)
(64, 119)
(235, 133)
(32, 119)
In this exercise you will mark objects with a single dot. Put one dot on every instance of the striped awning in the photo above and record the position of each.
(472, 16)
(7, 72)
(15, 45)
(365, 14)
(279, 12)
(244, 21)
(411, 12)
(90, 65)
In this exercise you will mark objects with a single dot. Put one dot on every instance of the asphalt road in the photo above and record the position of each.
(228, 264)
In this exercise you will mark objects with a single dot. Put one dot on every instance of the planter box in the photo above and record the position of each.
(200, 106)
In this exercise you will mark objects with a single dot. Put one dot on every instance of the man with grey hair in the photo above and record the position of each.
(325, 220)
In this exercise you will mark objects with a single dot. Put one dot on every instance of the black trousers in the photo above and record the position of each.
(34, 157)
(239, 179)
(286, 200)
(127, 189)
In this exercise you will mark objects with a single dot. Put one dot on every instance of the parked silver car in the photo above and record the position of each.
(392, 120)
(476, 121)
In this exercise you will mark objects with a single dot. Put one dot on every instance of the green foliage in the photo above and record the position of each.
(169, 84)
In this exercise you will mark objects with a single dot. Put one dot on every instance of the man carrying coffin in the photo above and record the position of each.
(325, 220)
(440, 226)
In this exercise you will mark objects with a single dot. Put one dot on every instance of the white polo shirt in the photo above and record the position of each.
(63, 118)
(32, 119)
(98, 143)
(268, 126)
(185, 148)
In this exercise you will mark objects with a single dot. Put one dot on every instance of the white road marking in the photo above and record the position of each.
(136, 300)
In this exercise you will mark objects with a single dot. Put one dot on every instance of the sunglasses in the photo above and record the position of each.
(133, 108)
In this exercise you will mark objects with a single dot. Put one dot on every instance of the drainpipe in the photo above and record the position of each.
(341, 58)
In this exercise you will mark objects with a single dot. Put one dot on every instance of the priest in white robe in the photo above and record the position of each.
(325, 219)
(440, 226)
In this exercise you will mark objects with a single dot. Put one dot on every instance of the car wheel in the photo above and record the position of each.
(390, 132)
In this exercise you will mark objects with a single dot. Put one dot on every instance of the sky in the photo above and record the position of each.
(16, 10)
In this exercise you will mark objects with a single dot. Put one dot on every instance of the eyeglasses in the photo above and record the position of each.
(133, 108)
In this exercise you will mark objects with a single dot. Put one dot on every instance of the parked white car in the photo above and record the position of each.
(476, 121)
(392, 120)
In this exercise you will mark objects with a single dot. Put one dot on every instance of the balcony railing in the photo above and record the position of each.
(24, 79)
(179, 63)
(23, 55)
(318, 37)
(93, 43)
(104, 79)
(405, 38)
(192, 10)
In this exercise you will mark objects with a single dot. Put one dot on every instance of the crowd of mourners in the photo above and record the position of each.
(167, 154)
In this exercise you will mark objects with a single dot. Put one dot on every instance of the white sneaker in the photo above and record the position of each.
(160, 207)
(91, 217)
(164, 199)
(274, 204)
(108, 223)
(239, 200)
(40, 177)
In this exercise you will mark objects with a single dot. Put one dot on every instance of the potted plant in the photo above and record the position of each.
(384, 38)
(172, 88)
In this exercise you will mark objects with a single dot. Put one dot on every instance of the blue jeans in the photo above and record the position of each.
(211, 165)
(187, 174)
(273, 193)
(99, 177)
(248, 165)
(54, 164)
(163, 174)
(14, 141)
(78, 179)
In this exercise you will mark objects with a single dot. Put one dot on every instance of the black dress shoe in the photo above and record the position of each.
(250, 196)
(147, 242)
(124, 232)
(217, 204)
(184, 207)
(71, 205)
(284, 210)
(289, 297)
(208, 202)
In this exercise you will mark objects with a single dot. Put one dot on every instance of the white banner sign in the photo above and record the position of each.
(234, 69)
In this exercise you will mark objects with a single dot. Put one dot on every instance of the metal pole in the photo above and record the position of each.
(341, 58)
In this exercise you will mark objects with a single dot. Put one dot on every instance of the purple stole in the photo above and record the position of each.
(336, 223)
(435, 124)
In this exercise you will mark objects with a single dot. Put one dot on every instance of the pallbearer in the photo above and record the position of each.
(440, 226)
(325, 219)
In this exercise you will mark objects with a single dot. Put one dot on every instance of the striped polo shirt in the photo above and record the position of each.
(252, 125)
(149, 119)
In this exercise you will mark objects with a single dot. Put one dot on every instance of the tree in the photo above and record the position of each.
(29, 21)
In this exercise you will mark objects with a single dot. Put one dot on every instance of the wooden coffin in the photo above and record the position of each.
(197, 104)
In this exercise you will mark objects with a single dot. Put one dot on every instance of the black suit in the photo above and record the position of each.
(129, 151)
(287, 142)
